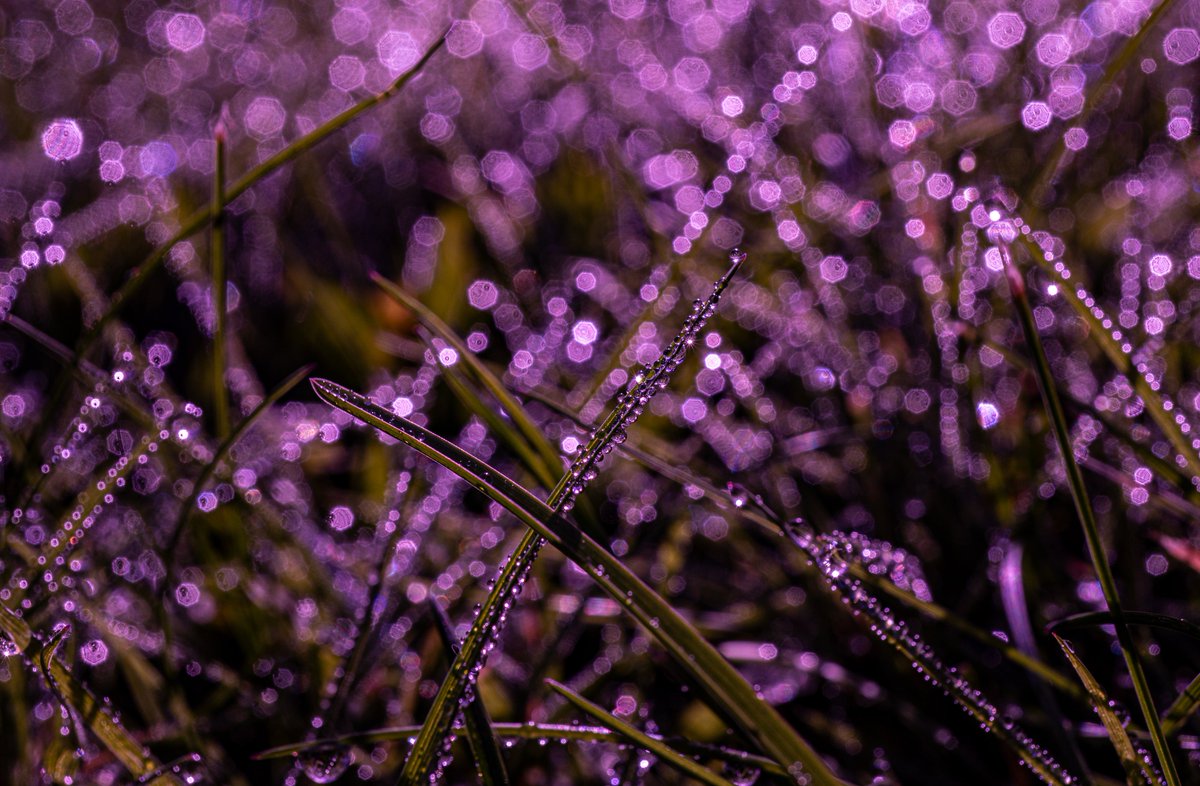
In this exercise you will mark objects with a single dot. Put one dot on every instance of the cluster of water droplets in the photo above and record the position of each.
(643, 386)
(826, 554)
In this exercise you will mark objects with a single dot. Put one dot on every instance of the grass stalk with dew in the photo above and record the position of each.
(431, 751)
(535, 731)
(1134, 761)
(1087, 517)
(485, 749)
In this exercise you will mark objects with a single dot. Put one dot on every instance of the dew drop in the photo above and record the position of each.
(324, 763)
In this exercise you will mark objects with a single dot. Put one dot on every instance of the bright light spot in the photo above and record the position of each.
(585, 332)
(62, 140)
(482, 294)
(693, 410)
(94, 652)
(987, 414)
(341, 518)
(1006, 30)
(1036, 115)
(185, 32)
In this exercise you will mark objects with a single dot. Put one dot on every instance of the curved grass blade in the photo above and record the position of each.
(665, 753)
(528, 429)
(486, 749)
(1087, 517)
(1094, 618)
(727, 688)
(1133, 761)
(1182, 708)
(538, 732)
(1011, 581)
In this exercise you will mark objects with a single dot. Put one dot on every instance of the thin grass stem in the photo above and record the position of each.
(1087, 518)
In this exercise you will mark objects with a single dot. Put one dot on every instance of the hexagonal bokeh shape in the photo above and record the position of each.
(1053, 49)
(464, 39)
(62, 140)
(397, 50)
(346, 72)
(265, 117)
(1036, 115)
(1006, 29)
(958, 97)
(185, 32)
(1182, 45)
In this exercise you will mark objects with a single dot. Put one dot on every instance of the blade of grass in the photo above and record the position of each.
(1011, 581)
(489, 764)
(508, 403)
(1093, 618)
(216, 250)
(665, 753)
(1087, 517)
(757, 719)
(1182, 708)
(1136, 768)
(432, 745)
(531, 731)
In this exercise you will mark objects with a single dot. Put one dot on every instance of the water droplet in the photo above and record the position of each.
(324, 763)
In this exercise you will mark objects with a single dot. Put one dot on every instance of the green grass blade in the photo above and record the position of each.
(216, 251)
(1136, 768)
(484, 745)
(666, 754)
(729, 691)
(1182, 708)
(1087, 518)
